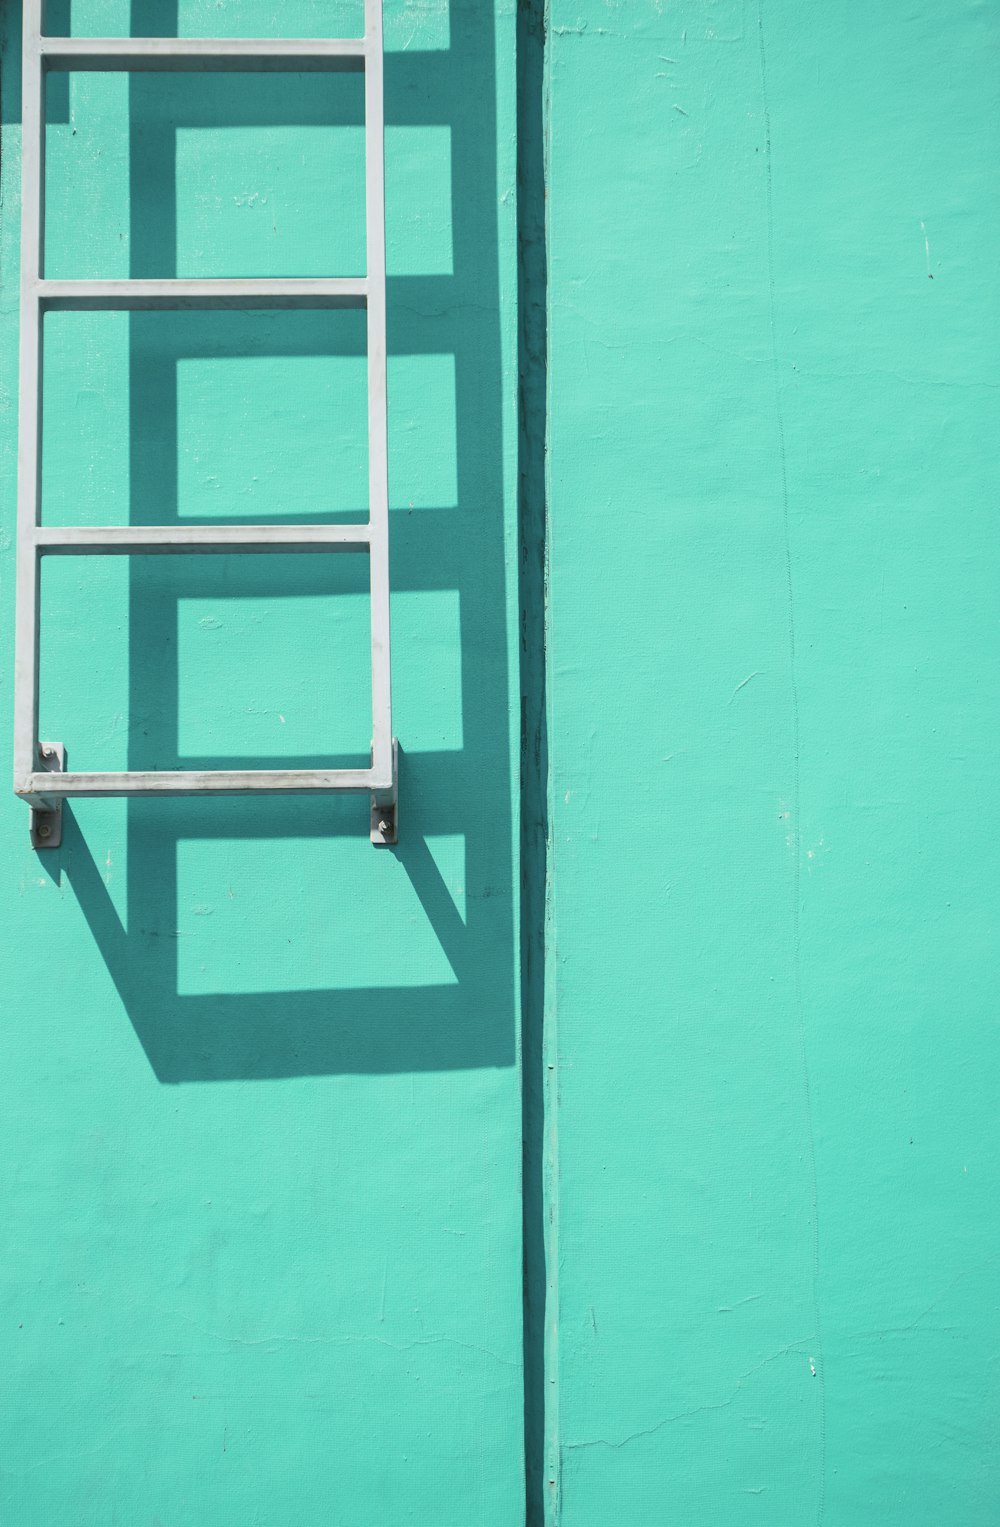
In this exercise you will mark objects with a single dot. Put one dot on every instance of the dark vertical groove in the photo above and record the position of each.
(532, 425)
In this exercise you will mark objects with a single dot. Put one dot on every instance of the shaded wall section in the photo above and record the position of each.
(774, 711)
(261, 1100)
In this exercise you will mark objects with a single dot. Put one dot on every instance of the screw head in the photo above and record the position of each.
(44, 830)
(385, 827)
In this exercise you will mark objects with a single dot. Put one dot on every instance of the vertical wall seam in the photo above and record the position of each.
(539, 1262)
(550, 1070)
(796, 796)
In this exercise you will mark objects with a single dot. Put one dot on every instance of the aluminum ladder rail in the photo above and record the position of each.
(40, 775)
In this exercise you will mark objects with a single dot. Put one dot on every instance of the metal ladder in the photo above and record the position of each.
(40, 775)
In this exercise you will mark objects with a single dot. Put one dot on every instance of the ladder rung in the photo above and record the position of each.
(109, 540)
(45, 786)
(133, 296)
(197, 53)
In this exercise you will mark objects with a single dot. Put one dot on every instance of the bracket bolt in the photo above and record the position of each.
(385, 826)
(44, 829)
(47, 753)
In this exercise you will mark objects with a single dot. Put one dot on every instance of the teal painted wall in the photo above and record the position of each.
(260, 1252)
(774, 706)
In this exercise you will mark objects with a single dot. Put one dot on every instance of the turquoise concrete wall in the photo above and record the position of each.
(774, 711)
(261, 1109)
(260, 1250)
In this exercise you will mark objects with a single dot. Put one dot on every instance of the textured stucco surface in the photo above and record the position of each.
(260, 1124)
(260, 1255)
(774, 712)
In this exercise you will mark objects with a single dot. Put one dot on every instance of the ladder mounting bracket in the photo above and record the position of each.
(46, 822)
(385, 808)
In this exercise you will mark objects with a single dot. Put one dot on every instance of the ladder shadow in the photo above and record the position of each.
(221, 1037)
(466, 791)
